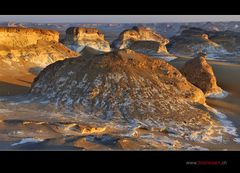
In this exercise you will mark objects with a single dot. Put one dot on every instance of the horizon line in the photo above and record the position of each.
(119, 22)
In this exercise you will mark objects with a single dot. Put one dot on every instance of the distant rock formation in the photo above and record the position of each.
(143, 40)
(22, 49)
(200, 74)
(120, 84)
(192, 40)
(128, 36)
(14, 24)
(77, 38)
(229, 40)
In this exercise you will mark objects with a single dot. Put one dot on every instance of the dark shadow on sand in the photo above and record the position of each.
(25, 81)
(8, 89)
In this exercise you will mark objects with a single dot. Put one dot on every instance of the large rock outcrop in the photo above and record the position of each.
(120, 84)
(143, 40)
(200, 74)
(78, 38)
(18, 37)
(26, 50)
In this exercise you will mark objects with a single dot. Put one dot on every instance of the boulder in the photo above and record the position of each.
(200, 74)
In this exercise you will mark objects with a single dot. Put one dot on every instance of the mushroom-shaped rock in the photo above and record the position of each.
(143, 40)
(78, 38)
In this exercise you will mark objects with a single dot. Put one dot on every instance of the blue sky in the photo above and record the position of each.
(118, 18)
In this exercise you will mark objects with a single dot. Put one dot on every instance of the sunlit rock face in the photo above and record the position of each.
(18, 37)
(120, 84)
(78, 38)
(24, 48)
(143, 40)
(200, 74)
(192, 40)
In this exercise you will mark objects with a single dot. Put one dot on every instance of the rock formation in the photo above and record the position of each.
(138, 34)
(18, 37)
(200, 74)
(120, 84)
(229, 40)
(24, 50)
(192, 40)
(143, 40)
(77, 38)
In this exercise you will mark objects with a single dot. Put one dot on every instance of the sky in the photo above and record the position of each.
(117, 18)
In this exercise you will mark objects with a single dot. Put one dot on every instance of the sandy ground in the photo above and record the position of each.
(10, 85)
